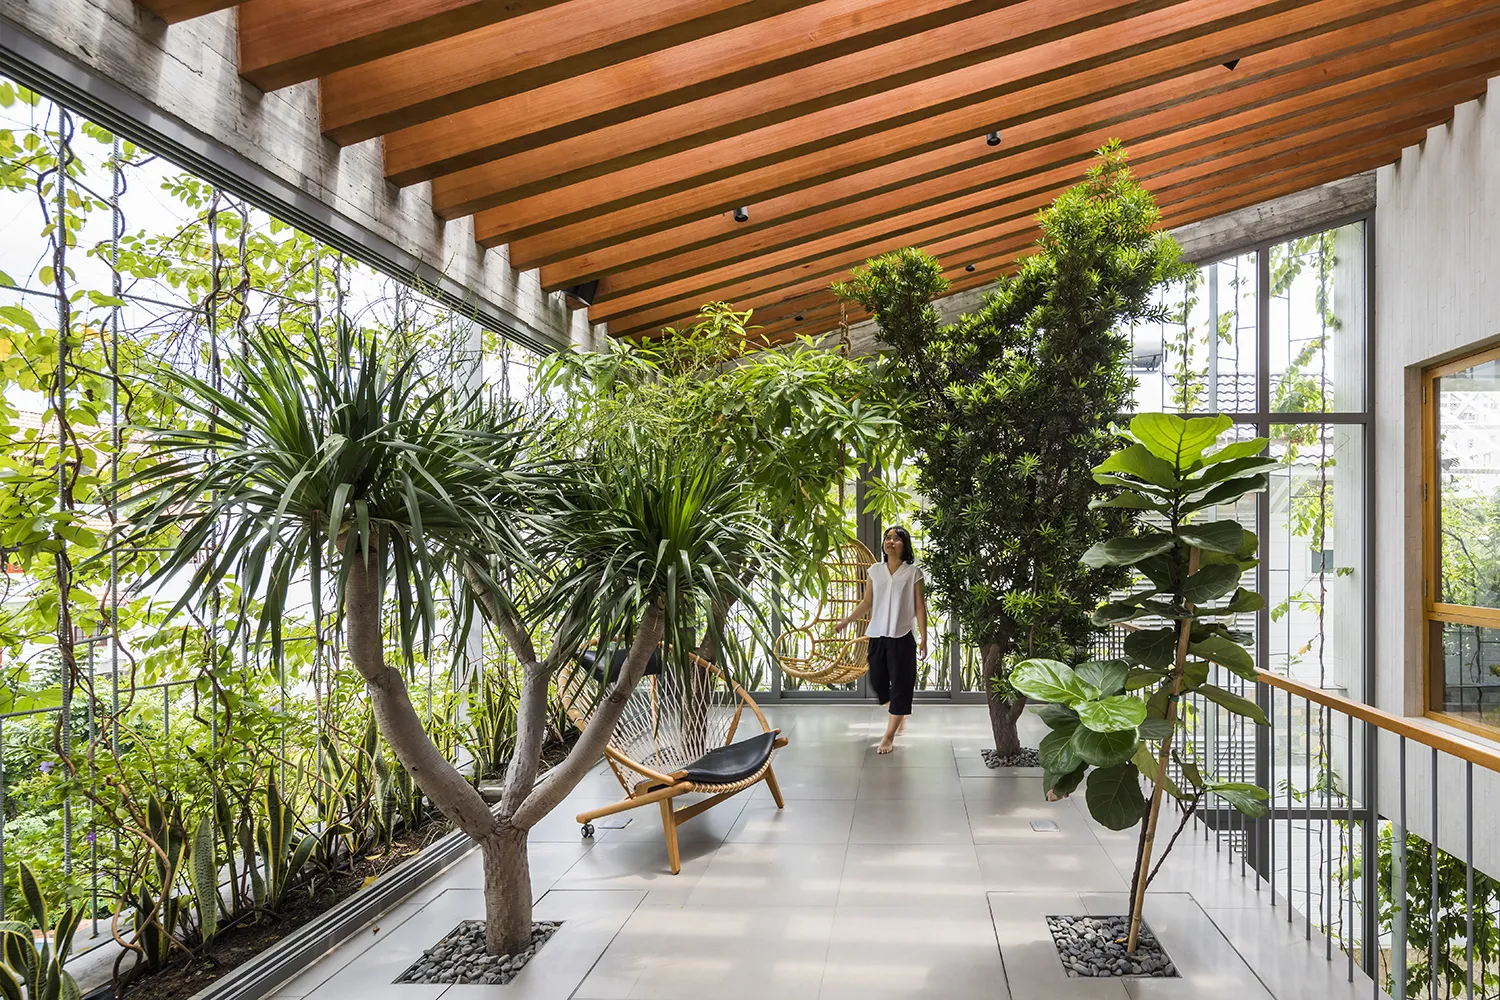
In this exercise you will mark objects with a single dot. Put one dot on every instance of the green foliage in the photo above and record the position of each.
(1119, 717)
(1452, 915)
(37, 967)
(1009, 410)
(795, 421)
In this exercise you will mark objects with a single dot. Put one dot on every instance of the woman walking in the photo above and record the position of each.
(893, 598)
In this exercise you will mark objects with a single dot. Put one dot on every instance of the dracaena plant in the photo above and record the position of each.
(1115, 721)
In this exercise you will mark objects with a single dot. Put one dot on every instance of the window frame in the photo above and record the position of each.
(1437, 613)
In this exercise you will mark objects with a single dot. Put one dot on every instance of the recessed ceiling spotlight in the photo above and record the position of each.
(742, 214)
(993, 139)
(969, 268)
(1231, 64)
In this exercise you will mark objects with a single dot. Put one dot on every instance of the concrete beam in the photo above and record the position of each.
(177, 91)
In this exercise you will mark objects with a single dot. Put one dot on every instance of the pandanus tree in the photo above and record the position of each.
(1009, 409)
(348, 467)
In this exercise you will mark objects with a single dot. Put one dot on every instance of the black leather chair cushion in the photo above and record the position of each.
(616, 661)
(736, 762)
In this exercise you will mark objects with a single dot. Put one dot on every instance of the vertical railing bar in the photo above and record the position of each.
(1349, 820)
(1432, 900)
(1291, 726)
(1468, 868)
(1307, 815)
(1398, 886)
(2, 818)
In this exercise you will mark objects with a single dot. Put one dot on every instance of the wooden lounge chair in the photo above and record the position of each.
(815, 652)
(677, 736)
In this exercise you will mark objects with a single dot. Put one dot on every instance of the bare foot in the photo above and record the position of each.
(901, 726)
(886, 746)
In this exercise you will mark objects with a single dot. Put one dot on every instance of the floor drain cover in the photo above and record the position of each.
(1044, 826)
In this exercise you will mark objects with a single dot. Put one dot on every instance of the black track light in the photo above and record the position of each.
(1231, 64)
(798, 317)
(993, 139)
(742, 214)
(969, 268)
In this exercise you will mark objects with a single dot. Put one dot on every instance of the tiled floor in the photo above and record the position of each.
(914, 875)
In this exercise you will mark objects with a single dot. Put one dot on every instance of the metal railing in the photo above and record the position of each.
(1336, 850)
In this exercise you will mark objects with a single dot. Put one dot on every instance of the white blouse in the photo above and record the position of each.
(893, 602)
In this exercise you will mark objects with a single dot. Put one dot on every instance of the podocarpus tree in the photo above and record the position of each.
(1009, 409)
(1115, 721)
(346, 467)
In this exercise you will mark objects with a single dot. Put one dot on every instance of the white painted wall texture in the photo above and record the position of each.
(1437, 245)
(189, 72)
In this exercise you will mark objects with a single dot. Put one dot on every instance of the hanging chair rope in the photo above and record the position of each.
(816, 652)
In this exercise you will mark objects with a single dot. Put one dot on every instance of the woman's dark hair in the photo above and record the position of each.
(907, 553)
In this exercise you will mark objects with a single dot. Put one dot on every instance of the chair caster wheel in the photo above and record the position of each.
(588, 831)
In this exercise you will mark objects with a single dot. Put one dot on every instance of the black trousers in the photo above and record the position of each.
(893, 670)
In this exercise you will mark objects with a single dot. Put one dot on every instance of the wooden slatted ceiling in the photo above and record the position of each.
(608, 141)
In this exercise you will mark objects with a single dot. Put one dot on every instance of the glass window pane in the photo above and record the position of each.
(1467, 414)
(1317, 314)
(1469, 656)
(1203, 356)
(1313, 549)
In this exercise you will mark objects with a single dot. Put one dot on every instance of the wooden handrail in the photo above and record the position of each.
(1400, 726)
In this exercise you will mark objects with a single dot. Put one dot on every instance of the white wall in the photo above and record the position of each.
(1437, 245)
(189, 72)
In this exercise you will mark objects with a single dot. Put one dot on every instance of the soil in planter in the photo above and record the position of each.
(1095, 947)
(236, 946)
(1026, 758)
(460, 957)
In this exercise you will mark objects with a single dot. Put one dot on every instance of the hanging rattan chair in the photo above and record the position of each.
(677, 735)
(815, 652)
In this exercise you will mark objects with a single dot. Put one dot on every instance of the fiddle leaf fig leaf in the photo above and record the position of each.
(1215, 536)
(1056, 751)
(1244, 797)
(1152, 647)
(1227, 653)
(1179, 442)
(1107, 676)
(1114, 796)
(1112, 714)
(1211, 582)
(1238, 704)
(1127, 551)
(1057, 716)
(1138, 461)
(1049, 680)
(1104, 749)
(1063, 785)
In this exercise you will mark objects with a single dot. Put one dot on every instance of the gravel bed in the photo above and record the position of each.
(1026, 758)
(1095, 946)
(460, 957)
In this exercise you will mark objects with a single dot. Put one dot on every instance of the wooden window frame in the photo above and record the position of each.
(1435, 612)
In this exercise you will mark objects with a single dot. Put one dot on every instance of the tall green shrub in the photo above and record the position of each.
(1008, 411)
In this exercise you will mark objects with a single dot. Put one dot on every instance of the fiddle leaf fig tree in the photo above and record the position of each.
(1114, 722)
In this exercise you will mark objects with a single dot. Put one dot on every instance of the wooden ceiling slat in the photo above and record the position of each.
(972, 118)
(558, 48)
(283, 42)
(480, 138)
(972, 95)
(1379, 60)
(1363, 136)
(508, 123)
(943, 197)
(174, 11)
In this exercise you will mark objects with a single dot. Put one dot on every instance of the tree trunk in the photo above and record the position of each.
(507, 891)
(1005, 714)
